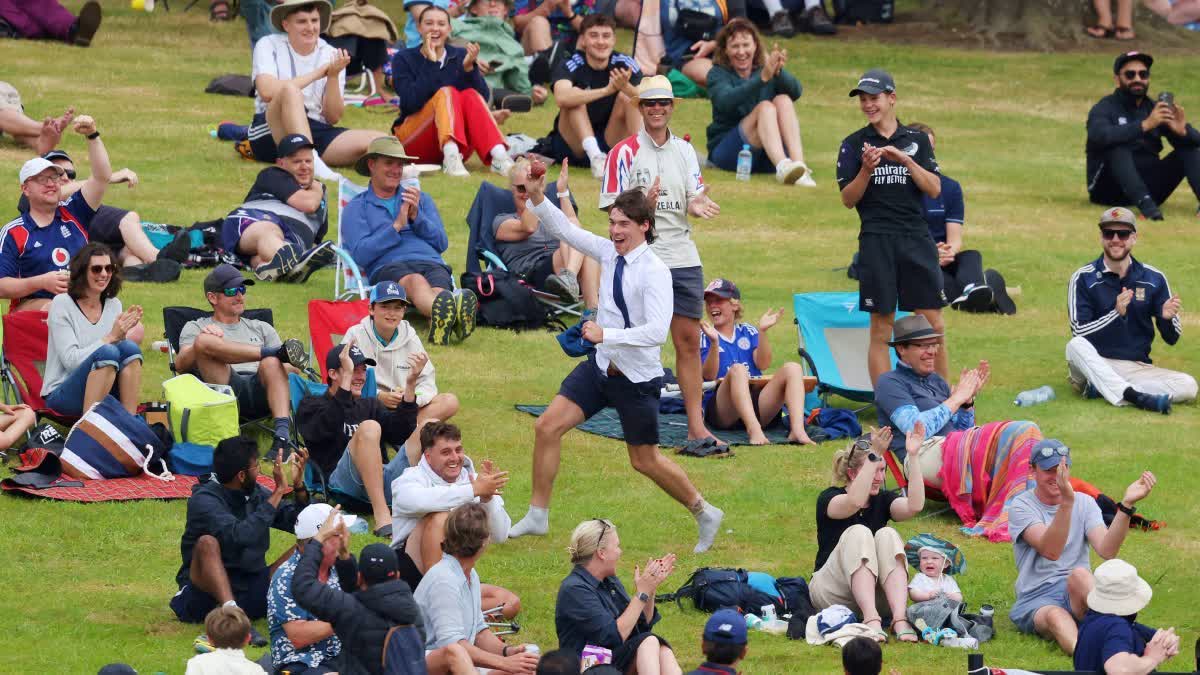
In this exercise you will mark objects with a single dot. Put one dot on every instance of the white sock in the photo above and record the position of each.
(809, 4)
(498, 150)
(709, 520)
(591, 148)
(321, 170)
(535, 522)
(773, 6)
(231, 603)
(450, 148)
(782, 163)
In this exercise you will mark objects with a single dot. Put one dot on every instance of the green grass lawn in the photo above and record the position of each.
(89, 584)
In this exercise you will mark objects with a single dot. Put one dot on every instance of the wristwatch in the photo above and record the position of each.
(643, 597)
(1127, 510)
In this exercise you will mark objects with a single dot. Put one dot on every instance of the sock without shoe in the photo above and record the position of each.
(709, 521)
(591, 148)
(536, 522)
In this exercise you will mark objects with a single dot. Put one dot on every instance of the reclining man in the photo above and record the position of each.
(41, 137)
(285, 213)
(244, 354)
(227, 534)
(1114, 303)
(345, 432)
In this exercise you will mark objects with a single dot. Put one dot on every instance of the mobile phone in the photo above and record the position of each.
(495, 63)
(1166, 97)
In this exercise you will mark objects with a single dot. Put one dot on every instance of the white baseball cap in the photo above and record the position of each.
(315, 515)
(37, 165)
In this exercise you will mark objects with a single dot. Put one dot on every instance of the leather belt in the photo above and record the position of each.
(613, 371)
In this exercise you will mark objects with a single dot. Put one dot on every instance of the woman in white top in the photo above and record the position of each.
(91, 351)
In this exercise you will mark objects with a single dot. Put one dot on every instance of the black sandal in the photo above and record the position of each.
(1100, 32)
(218, 11)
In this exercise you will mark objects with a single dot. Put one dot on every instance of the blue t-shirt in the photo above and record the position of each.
(739, 349)
(27, 250)
(282, 608)
(1102, 636)
(947, 207)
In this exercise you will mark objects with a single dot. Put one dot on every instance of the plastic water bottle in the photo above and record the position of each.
(745, 163)
(960, 642)
(1035, 396)
(753, 622)
(774, 627)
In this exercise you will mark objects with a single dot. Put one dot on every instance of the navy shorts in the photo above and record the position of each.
(636, 402)
(724, 156)
(436, 274)
(537, 272)
(263, 144)
(898, 269)
(235, 225)
(688, 285)
(191, 604)
(251, 395)
(106, 226)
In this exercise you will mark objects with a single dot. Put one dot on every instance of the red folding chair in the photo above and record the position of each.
(23, 362)
(328, 321)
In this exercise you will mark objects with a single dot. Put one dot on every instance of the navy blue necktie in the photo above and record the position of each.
(619, 292)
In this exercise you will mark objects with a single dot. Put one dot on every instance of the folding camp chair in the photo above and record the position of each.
(490, 201)
(23, 363)
(328, 321)
(314, 478)
(348, 281)
(834, 335)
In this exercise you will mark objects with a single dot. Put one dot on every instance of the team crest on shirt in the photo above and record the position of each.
(65, 232)
(1139, 294)
(743, 342)
(60, 257)
(1122, 120)
(911, 150)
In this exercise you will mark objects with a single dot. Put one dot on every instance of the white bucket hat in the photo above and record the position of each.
(1119, 590)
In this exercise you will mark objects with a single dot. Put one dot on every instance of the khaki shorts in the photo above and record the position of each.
(830, 585)
(10, 97)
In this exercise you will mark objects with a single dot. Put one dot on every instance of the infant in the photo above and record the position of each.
(932, 579)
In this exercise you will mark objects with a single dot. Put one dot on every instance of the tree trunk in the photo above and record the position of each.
(1040, 24)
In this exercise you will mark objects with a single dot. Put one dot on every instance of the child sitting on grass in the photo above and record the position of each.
(228, 629)
(932, 579)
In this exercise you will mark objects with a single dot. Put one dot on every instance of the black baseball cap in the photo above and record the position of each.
(723, 288)
(333, 359)
(291, 143)
(225, 276)
(1132, 56)
(57, 154)
(378, 563)
(874, 81)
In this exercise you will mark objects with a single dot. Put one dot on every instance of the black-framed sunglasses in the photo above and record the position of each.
(1136, 74)
(520, 189)
(1123, 235)
(864, 444)
(97, 269)
(236, 290)
(603, 530)
(70, 173)
(657, 103)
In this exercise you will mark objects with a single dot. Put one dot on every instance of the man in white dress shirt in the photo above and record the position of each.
(625, 371)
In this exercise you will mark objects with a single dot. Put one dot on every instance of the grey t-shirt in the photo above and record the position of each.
(522, 257)
(1035, 571)
(245, 331)
(73, 337)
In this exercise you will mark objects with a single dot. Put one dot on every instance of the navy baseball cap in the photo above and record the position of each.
(333, 359)
(1047, 453)
(225, 276)
(386, 291)
(378, 563)
(725, 627)
(874, 81)
(723, 288)
(291, 143)
(1132, 56)
(57, 154)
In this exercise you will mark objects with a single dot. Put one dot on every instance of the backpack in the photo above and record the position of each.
(403, 652)
(864, 11)
(505, 301)
(108, 441)
(200, 417)
(231, 85)
(712, 588)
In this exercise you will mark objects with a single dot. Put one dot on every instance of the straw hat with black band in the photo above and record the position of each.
(282, 10)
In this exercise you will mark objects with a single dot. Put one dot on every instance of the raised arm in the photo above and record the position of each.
(1049, 540)
(559, 226)
(1107, 540)
(95, 186)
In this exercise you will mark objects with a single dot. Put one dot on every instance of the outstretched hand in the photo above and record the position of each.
(914, 439)
(1140, 488)
(562, 185)
(769, 319)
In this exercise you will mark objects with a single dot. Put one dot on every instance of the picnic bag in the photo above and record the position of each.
(712, 588)
(200, 418)
(505, 301)
(108, 441)
(864, 11)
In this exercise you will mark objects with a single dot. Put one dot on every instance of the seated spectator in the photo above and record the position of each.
(968, 286)
(743, 395)
(1182, 13)
(36, 246)
(229, 630)
(363, 31)
(1125, 134)
(542, 23)
(450, 596)
(15, 420)
(285, 214)
(862, 656)
(444, 114)
(386, 338)
(413, 10)
(1104, 26)
(380, 601)
(298, 83)
(227, 534)
(300, 642)
(724, 643)
(595, 89)
(860, 559)
(1052, 529)
(49, 20)
(593, 607)
(90, 354)
(752, 104)
(120, 229)
(687, 44)
(395, 233)
(559, 662)
(1110, 639)
(244, 354)
(501, 58)
(1115, 303)
(422, 497)
(41, 137)
(528, 250)
(788, 17)
(345, 432)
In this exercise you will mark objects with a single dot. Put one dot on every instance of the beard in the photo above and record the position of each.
(1136, 89)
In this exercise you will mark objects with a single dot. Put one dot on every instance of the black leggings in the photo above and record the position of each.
(967, 268)
(1124, 180)
(365, 53)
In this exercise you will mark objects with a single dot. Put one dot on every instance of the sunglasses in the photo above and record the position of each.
(70, 173)
(520, 189)
(97, 269)
(603, 530)
(1136, 74)
(1118, 234)
(864, 444)
(236, 290)
(1061, 451)
(657, 103)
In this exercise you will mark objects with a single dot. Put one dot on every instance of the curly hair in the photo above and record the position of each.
(734, 27)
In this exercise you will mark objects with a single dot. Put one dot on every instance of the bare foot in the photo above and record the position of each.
(501, 116)
(759, 439)
(52, 131)
(801, 438)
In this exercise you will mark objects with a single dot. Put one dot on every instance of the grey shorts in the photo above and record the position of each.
(688, 286)
(1053, 593)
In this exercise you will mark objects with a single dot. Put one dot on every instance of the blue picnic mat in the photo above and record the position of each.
(672, 428)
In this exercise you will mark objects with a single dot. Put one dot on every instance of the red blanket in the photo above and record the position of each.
(124, 489)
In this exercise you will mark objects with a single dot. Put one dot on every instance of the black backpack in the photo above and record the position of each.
(864, 11)
(505, 301)
(712, 588)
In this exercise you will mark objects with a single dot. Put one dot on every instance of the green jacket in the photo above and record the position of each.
(497, 42)
(733, 97)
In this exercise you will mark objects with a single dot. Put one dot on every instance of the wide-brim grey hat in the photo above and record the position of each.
(911, 329)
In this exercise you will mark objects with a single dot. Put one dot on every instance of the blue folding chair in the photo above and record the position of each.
(834, 335)
(314, 478)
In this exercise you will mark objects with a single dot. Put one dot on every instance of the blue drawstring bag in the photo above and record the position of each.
(838, 422)
(572, 342)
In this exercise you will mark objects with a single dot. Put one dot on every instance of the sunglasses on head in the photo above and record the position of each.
(1119, 234)
(603, 530)
(97, 269)
(657, 103)
(1136, 74)
(1061, 451)
(236, 290)
(864, 444)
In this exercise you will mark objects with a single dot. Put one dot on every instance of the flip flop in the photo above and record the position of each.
(1100, 32)
(1124, 33)
(901, 634)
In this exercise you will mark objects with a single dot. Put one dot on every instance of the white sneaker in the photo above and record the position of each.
(598, 163)
(807, 179)
(502, 165)
(452, 165)
(788, 172)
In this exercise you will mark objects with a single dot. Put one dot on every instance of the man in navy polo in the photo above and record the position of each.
(37, 246)
(1115, 302)
(883, 170)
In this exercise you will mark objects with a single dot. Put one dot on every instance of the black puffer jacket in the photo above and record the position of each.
(360, 619)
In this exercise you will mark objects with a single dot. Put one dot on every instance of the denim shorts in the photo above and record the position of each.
(345, 477)
(724, 153)
(68, 397)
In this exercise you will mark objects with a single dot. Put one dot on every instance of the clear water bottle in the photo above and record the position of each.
(745, 163)
(1035, 396)
(753, 622)
(960, 642)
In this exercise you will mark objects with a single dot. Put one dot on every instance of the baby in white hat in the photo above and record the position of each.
(931, 579)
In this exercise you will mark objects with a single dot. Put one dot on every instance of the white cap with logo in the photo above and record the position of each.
(37, 165)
